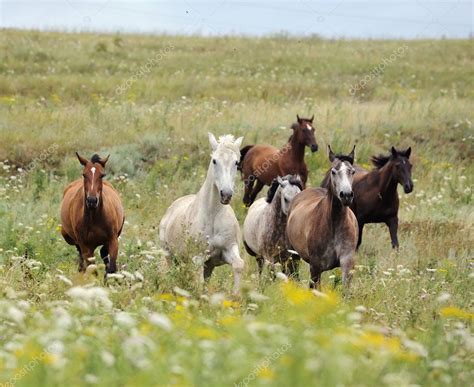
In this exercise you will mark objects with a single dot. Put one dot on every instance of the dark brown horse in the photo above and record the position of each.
(92, 215)
(376, 197)
(260, 164)
(321, 227)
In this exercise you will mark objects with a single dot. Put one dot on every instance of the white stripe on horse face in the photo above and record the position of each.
(345, 184)
(93, 175)
(308, 126)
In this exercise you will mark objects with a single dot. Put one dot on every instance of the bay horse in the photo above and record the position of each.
(376, 197)
(260, 164)
(207, 216)
(92, 214)
(265, 224)
(321, 226)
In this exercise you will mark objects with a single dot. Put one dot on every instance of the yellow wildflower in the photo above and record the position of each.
(452, 311)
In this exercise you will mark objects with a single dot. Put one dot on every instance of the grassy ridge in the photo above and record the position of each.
(407, 320)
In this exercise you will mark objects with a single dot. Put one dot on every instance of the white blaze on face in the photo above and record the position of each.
(308, 126)
(343, 179)
(93, 175)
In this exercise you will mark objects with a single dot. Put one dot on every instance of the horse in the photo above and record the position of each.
(261, 164)
(92, 215)
(321, 227)
(207, 216)
(265, 224)
(376, 197)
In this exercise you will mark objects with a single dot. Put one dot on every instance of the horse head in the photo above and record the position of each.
(341, 176)
(93, 174)
(225, 158)
(303, 130)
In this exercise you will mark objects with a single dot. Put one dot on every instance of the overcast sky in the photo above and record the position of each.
(337, 18)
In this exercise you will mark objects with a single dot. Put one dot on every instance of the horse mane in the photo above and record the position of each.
(272, 191)
(228, 141)
(342, 157)
(292, 179)
(95, 158)
(380, 160)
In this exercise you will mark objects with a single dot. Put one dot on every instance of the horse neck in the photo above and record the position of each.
(296, 149)
(208, 199)
(334, 210)
(91, 216)
(277, 217)
(387, 182)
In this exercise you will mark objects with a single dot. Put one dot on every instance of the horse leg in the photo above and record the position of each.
(209, 266)
(258, 187)
(392, 224)
(85, 253)
(112, 248)
(232, 257)
(315, 282)
(359, 241)
(248, 183)
(292, 266)
(260, 263)
(347, 266)
(104, 254)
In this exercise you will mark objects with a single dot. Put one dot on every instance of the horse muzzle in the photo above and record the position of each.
(346, 198)
(92, 202)
(408, 188)
(226, 196)
(314, 147)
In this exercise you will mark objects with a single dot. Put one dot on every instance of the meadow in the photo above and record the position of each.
(149, 101)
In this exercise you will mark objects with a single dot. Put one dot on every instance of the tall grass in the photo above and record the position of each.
(408, 319)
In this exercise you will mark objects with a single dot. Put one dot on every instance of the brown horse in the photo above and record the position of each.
(92, 215)
(263, 163)
(321, 227)
(376, 197)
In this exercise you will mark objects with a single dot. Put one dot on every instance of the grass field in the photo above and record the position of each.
(149, 102)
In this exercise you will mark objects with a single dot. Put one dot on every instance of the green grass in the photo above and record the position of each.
(408, 319)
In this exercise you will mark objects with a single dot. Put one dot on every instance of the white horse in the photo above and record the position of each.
(265, 225)
(206, 216)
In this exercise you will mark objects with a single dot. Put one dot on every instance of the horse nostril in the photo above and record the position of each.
(352, 194)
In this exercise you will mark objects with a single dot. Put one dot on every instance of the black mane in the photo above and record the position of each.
(292, 179)
(344, 158)
(95, 158)
(380, 160)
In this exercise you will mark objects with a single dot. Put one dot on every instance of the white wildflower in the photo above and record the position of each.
(124, 319)
(107, 358)
(162, 321)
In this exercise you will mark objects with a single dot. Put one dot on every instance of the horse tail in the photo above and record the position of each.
(249, 250)
(243, 153)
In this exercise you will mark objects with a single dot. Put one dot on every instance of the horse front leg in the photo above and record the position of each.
(248, 184)
(392, 224)
(258, 187)
(85, 253)
(232, 257)
(359, 240)
(292, 266)
(112, 248)
(315, 282)
(347, 266)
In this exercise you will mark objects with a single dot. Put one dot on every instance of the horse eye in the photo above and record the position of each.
(237, 163)
(353, 171)
(103, 175)
(214, 161)
(84, 175)
(333, 171)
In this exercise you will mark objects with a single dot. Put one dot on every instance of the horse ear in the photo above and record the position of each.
(408, 152)
(298, 118)
(311, 119)
(394, 152)
(332, 156)
(352, 154)
(238, 142)
(81, 159)
(213, 141)
(104, 161)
